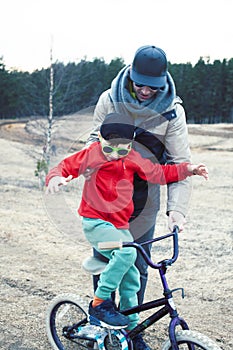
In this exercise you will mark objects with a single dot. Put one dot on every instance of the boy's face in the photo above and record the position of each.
(114, 151)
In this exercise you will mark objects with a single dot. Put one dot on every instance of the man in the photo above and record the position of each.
(146, 91)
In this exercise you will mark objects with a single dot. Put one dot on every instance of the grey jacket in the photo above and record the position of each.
(160, 136)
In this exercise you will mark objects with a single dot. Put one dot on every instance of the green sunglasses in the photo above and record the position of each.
(120, 151)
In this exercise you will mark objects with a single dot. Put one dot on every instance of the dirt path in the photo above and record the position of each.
(42, 250)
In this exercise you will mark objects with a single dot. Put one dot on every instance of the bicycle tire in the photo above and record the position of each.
(186, 338)
(64, 310)
(67, 310)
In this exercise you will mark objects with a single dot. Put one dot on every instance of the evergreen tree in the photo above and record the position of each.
(205, 88)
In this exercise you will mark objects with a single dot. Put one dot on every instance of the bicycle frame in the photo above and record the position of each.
(166, 307)
(166, 304)
(68, 321)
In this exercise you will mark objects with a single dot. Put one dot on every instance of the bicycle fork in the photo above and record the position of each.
(175, 319)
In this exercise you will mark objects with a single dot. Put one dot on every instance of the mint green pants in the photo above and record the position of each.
(120, 273)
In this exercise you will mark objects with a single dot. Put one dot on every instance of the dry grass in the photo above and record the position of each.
(42, 249)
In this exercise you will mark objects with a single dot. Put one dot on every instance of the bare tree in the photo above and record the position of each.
(47, 147)
(43, 163)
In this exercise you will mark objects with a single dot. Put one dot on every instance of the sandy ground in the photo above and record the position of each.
(42, 249)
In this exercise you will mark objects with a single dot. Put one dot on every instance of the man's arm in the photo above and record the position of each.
(177, 148)
(104, 106)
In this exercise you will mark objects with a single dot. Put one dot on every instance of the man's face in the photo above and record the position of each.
(116, 151)
(144, 93)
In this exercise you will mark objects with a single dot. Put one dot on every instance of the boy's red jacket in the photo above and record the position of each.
(108, 194)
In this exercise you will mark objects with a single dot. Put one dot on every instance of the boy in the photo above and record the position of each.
(106, 207)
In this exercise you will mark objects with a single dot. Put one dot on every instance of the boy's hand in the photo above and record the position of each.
(199, 169)
(55, 182)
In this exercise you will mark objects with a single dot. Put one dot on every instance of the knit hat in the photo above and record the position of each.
(149, 67)
(117, 125)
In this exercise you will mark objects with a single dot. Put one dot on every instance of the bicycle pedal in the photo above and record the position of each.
(89, 332)
(96, 322)
(91, 344)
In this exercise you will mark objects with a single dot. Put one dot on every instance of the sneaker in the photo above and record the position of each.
(139, 344)
(106, 315)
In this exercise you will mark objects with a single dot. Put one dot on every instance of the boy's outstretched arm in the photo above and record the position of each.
(55, 182)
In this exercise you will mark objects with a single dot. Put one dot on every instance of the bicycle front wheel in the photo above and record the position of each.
(64, 312)
(191, 340)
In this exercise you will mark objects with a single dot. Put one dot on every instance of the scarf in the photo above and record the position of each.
(124, 102)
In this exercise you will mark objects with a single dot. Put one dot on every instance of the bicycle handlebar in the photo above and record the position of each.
(166, 262)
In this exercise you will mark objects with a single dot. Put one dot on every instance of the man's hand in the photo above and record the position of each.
(57, 181)
(176, 218)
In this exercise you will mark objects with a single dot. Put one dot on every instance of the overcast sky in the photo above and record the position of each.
(184, 29)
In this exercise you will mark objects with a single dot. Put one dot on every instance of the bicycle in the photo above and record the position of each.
(67, 321)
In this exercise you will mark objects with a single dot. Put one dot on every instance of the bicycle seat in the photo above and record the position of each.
(93, 265)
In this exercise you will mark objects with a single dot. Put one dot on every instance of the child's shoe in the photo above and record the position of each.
(106, 315)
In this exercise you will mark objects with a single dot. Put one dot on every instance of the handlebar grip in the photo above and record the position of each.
(110, 245)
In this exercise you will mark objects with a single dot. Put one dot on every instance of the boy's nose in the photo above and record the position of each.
(114, 155)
